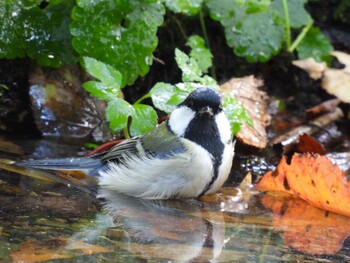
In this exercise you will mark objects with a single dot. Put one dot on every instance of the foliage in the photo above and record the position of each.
(118, 111)
(121, 33)
(40, 34)
(164, 96)
(257, 30)
(315, 45)
(115, 40)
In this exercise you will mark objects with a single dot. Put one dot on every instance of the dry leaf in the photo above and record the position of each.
(307, 228)
(313, 178)
(311, 66)
(308, 144)
(334, 81)
(255, 102)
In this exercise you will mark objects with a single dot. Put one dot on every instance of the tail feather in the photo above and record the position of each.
(83, 164)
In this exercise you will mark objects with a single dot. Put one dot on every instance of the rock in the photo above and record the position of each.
(63, 109)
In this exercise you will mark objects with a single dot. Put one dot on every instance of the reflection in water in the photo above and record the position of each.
(155, 225)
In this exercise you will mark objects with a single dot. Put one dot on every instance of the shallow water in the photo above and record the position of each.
(56, 222)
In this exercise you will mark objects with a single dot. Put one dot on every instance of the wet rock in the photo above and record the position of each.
(61, 107)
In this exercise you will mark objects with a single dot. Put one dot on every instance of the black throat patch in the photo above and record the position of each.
(204, 131)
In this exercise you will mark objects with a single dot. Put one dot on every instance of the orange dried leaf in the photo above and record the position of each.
(313, 178)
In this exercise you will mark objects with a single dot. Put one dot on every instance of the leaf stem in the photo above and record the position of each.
(183, 33)
(146, 96)
(126, 132)
(206, 38)
(300, 36)
(287, 23)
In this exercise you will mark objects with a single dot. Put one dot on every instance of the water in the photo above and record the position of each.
(56, 222)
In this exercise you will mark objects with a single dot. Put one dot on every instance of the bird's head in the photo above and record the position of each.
(199, 111)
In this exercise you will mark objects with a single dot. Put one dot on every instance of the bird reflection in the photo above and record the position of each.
(180, 230)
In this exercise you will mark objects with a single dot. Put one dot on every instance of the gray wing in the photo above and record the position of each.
(125, 148)
(162, 143)
(159, 143)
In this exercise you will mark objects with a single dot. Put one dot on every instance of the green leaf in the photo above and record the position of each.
(235, 113)
(101, 90)
(40, 34)
(104, 72)
(254, 6)
(144, 119)
(298, 15)
(160, 94)
(109, 87)
(189, 67)
(120, 33)
(256, 36)
(200, 53)
(315, 45)
(186, 7)
(117, 113)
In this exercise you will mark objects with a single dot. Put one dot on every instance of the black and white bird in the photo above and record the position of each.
(188, 155)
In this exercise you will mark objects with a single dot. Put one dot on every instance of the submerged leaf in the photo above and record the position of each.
(307, 228)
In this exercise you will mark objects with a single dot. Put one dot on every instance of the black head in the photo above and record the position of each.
(202, 98)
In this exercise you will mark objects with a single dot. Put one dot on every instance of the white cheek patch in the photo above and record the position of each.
(180, 119)
(224, 127)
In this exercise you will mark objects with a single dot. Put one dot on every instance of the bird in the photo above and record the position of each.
(188, 155)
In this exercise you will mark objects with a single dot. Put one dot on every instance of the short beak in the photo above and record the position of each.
(206, 110)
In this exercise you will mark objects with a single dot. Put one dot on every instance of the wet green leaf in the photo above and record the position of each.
(315, 45)
(200, 52)
(189, 67)
(255, 36)
(161, 93)
(144, 119)
(109, 87)
(298, 15)
(254, 6)
(118, 32)
(235, 113)
(117, 113)
(40, 34)
(104, 72)
(187, 7)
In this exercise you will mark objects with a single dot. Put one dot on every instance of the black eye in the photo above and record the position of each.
(220, 108)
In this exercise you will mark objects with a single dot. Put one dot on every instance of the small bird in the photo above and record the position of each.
(188, 155)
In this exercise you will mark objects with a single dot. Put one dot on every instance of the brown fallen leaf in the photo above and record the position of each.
(57, 248)
(307, 228)
(313, 178)
(308, 144)
(255, 102)
(326, 106)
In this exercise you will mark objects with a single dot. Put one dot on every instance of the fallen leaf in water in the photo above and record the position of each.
(255, 102)
(313, 178)
(36, 251)
(307, 228)
(324, 107)
(308, 144)
(9, 147)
